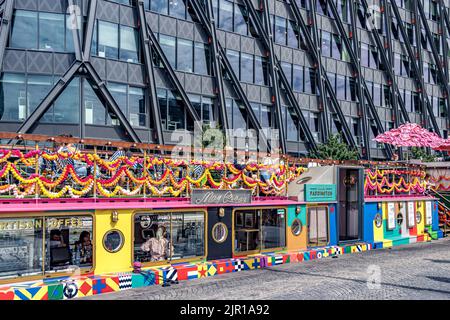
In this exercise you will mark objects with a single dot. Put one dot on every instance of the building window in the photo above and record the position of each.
(108, 40)
(226, 15)
(42, 31)
(310, 81)
(202, 59)
(280, 32)
(292, 32)
(240, 20)
(291, 123)
(24, 30)
(129, 44)
(185, 57)
(159, 6)
(261, 71)
(13, 97)
(233, 58)
(237, 115)
(340, 87)
(67, 106)
(326, 44)
(259, 230)
(172, 110)
(114, 41)
(167, 44)
(297, 83)
(51, 31)
(169, 236)
(137, 107)
(246, 67)
(177, 9)
(204, 107)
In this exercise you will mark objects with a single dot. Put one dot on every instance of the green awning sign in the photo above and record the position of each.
(320, 192)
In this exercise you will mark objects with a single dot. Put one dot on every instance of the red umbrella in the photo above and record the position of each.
(410, 135)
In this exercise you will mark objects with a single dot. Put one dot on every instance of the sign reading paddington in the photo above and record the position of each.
(320, 192)
(200, 196)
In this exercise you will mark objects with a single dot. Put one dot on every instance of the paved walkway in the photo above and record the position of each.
(418, 271)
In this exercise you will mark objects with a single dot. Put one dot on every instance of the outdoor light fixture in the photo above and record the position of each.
(221, 212)
(297, 211)
(114, 216)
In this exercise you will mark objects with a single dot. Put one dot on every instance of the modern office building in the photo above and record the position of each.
(138, 70)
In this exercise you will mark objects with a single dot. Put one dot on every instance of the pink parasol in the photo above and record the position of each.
(410, 135)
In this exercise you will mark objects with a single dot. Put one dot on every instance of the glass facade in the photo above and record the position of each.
(188, 51)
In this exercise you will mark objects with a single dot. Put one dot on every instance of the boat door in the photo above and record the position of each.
(350, 198)
(318, 226)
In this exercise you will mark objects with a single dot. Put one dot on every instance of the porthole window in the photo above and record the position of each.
(399, 219)
(113, 241)
(296, 227)
(418, 217)
(378, 220)
(220, 232)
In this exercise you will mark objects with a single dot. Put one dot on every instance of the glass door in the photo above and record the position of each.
(317, 226)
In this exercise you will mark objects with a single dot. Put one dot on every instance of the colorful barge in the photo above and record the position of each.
(59, 241)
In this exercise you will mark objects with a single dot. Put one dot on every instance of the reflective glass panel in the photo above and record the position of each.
(24, 30)
(108, 40)
(51, 31)
(69, 243)
(21, 249)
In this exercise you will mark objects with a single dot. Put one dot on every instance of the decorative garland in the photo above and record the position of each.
(160, 178)
(379, 181)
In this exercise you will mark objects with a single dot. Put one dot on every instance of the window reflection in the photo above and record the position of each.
(259, 229)
(13, 105)
(164, 236)
(51, 31)
(129, 44)
(108, 40)
(185, 55)
(21, 250)
(226, 15)
(24, 30)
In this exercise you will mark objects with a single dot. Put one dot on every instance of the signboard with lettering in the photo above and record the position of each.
(320, 192)
(204, 197)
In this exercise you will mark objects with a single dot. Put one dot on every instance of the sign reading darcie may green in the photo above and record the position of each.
(320, 192)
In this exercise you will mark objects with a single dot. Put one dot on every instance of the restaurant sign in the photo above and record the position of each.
(320, 192)
(203, 197)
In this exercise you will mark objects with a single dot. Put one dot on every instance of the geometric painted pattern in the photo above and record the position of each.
(82, 286)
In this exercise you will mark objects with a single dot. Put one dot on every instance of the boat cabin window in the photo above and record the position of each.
(163, 236)
(258, 230)
(33, 246)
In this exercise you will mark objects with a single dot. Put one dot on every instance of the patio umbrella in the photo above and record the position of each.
(410, 135)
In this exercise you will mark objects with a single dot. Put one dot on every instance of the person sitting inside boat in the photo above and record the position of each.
(84, 247)
(56, 239)
(158, 247)
(80, 168)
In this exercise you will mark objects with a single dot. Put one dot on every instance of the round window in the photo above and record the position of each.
(113, 241)
(378, 220)
(399, 219)
(418, 217)
(220, 232)
(296, 227)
